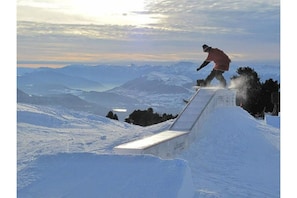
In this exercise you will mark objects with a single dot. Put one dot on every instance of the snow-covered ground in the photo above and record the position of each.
(63, 153)
(235, 156)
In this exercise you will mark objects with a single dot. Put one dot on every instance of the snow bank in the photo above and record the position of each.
(235, 155)
(90, 175)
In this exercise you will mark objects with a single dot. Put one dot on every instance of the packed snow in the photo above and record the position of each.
(235, 156)
(64, 153)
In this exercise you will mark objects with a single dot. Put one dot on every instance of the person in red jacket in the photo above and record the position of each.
(221, 61)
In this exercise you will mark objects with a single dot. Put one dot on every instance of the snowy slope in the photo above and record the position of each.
(234, 156)
(46, 130)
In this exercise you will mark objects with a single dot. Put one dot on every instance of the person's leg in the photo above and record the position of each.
(210, 77)
(220, 77)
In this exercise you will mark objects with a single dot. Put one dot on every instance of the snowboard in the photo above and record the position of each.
(200, 83)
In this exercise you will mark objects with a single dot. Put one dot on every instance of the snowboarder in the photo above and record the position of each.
(221, 61)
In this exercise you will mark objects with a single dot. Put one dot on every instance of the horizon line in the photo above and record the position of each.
(59, 64)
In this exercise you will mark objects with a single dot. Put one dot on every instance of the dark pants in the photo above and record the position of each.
(218, 74)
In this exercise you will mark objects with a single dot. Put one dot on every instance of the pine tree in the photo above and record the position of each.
(254, 96)
(111, 115)
(248, 85)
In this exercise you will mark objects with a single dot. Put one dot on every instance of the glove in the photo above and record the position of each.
(203, 65)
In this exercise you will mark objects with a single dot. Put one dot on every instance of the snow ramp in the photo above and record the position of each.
(184, 130)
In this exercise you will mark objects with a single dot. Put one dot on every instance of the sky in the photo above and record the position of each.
(59, 32)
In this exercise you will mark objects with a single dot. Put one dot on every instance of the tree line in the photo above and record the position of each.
(144, 117)
(256, 97)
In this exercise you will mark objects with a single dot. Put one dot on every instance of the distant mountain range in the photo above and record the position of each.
(99, 89)
(63, 100)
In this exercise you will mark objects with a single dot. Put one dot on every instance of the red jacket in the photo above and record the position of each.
(220, 59)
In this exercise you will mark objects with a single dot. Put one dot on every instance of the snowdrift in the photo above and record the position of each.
(235, 155)
(80, 175)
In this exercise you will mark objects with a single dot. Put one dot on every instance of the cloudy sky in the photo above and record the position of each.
(59, 32)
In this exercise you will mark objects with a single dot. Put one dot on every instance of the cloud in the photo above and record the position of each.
(174, 29)
(227, 15)
(61, 42)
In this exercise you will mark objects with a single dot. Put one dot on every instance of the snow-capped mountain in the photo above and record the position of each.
(62, 100)
(105, 87)
(49, 81)
(162, 92)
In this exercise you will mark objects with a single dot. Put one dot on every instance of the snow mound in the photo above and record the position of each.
(90, 175)
(235, 155)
